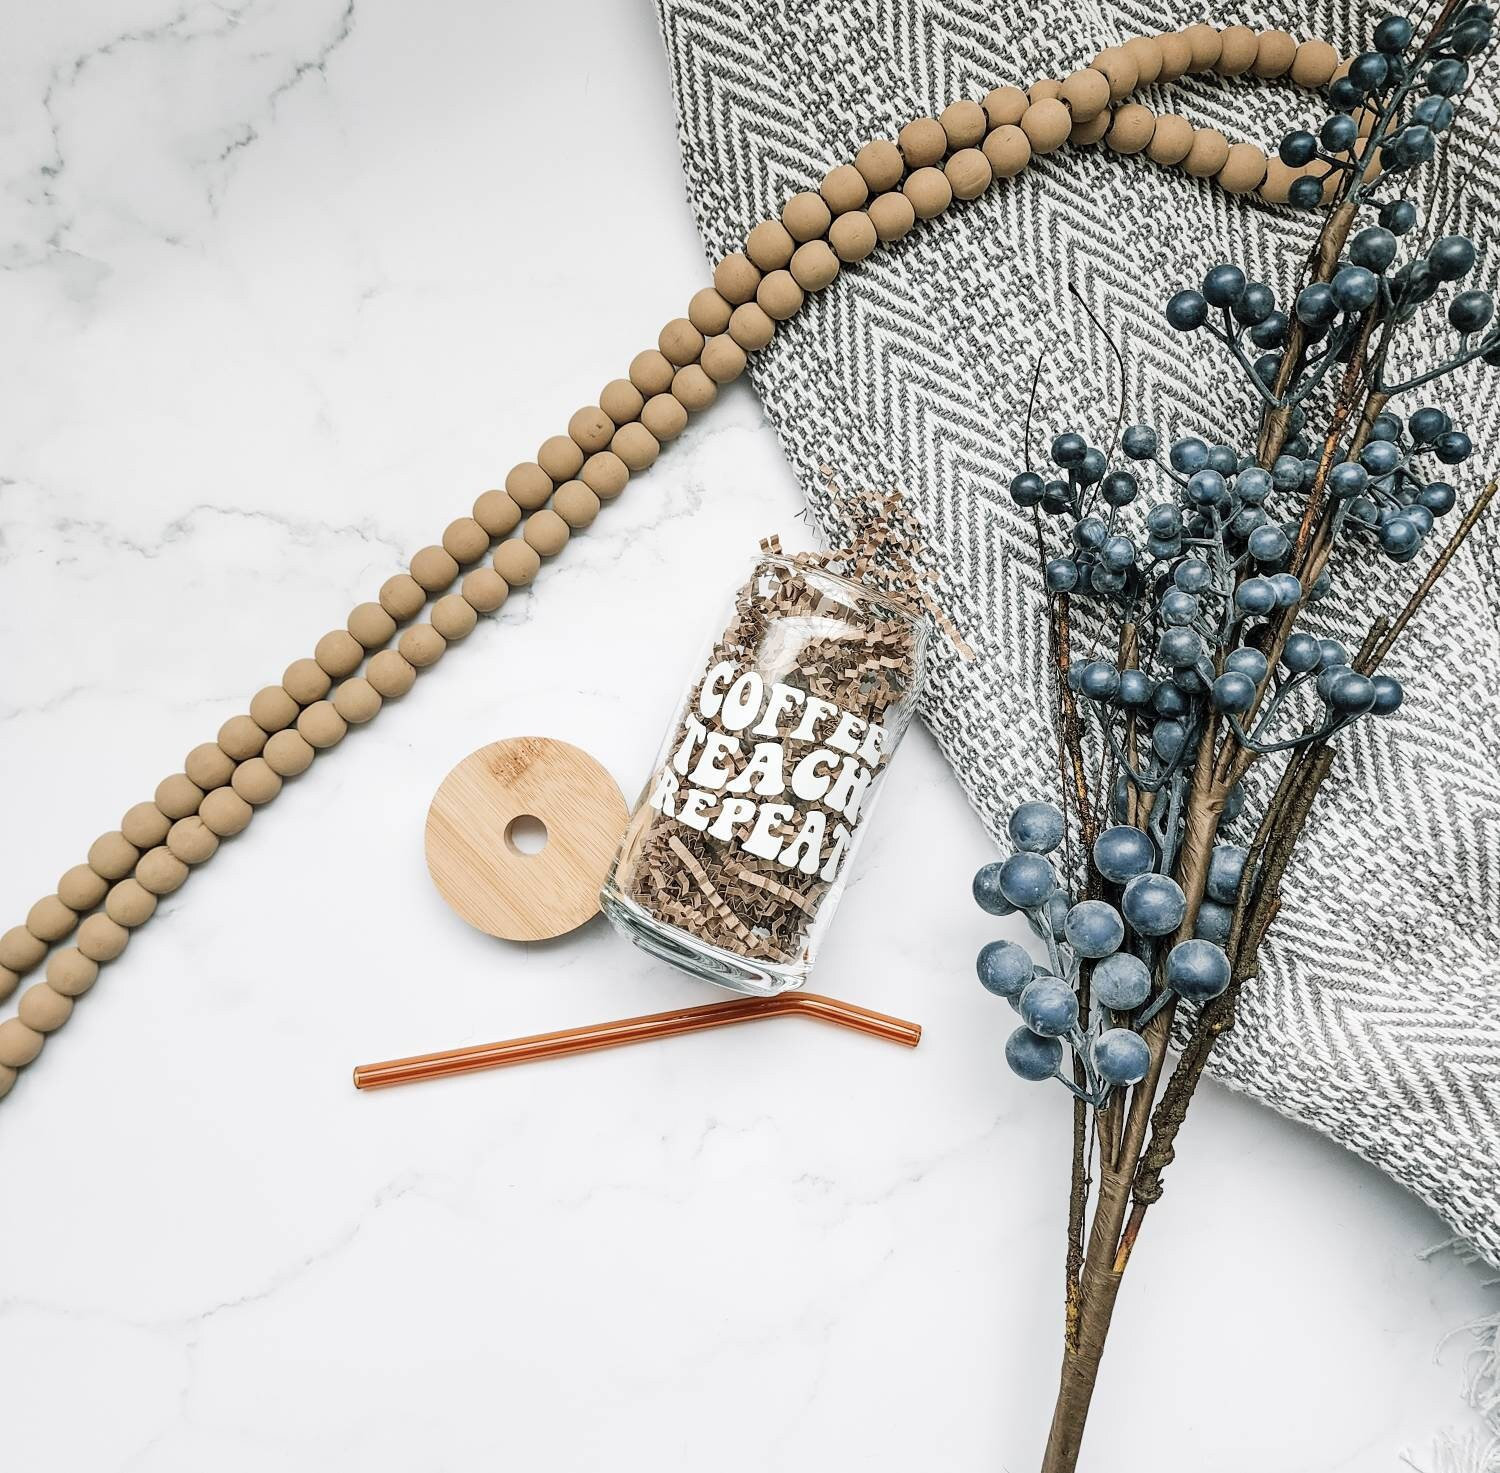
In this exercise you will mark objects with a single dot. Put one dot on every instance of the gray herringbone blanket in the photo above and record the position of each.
(1375, 1017)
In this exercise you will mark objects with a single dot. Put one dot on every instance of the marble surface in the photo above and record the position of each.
(285, 285)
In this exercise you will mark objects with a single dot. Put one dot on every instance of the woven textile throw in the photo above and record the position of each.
(1376, 1017)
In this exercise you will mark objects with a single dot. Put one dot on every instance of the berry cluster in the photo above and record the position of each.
(1105, 950)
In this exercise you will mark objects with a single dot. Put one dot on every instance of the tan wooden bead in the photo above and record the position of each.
(517, 562)
(484, 588)
(964, 124)
(1171, 140)
(8, 1079)
(546, 532)
(391, 674)
(1093, 130)
(465, 541)
(176, 796)
(1276, 186)
(1132, 128)
(778, 295)
(161, 871)
(321, 725)
(590, 429)
(1008, 150)
(145, 824)
(1120, 71)
(723, 359)
(80, 888)
(1244, 171)
(891, 215)
(1314, 64)
(636, 446)
(693, 388)
(339, 652)
(289, 752)
(434, 569)
(1005, 105)
(1238, 47)
(1275, 51)
(70, 973)
(111, 855)
(708, 312)
(225, 813)
(19, 1045)
(1209, 153)
(843, 189)
(20, 951)
(852, 237)
(1176, 55)
(1206, 45)
(306, 681)
(50, 920)
(770, 245)
(272, 709)
(650, 373)
(814, 265)
(257, 782)
(663, 415)
(621, 401)
(735, 279)
(528, 485)
(680, 342)
(242, 738)
(498, 514)
(209, 765)
(191, 840)
(130, 903)
(42, 1009)
(575, 504)
(101, 939)
(1147, 55)
(1086, 94)
(8, 981)
(605, 474)
(880, 164)
(969, 173)
(751, 326)
(1046, 125)
(929, 192)
(401, 595)
(560, 457)
(453, 616)
(923, 142)
(805, 216)
(1043, 90)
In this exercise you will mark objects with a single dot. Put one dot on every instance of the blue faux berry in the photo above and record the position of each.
(1153, 905)
(1301, 653)
(1298, 149)
(1351, 693)
(987, 892)
(1253, 485)
(1168, 701)
(1306, 193)
(1180, 647)
(1026, 880)
(1398, 216)
(1186, 310)
(1454, 447)
(1447, 77)
(1368, 71)
(1069, 448)
(1225, 866)
(1117, 553)
(1099, 680)
(1032, 1056)
(1269, 545)
(1188, 454)
(1380, 457)
(1427, 424)
(1168, 739)
(1213, 922)
(1207, 487)
(1435, 112)
(1139, 442)
(1049, 1007)
(1135, 688)
(1288, 588)
(1004, 968)
(1232, 692)
(1177, 607)
(1315, 305)
(1119, 488)
(1037, 828)
(1192, 575)
(1120, 982)
(1338, 133)
(1255, 304)
(1470, 311)
(1438, 497)
(1197, 970)
(1388, 695)
(1062, 575)
(1122, 852)
(1255, 596)
(1393, 34)
(1355, 288)
(1164, 520)
(1121, 1056)
(1223, 285)
(1026, 489)
(1451, 257)
(1248, 662)
(1094, 928)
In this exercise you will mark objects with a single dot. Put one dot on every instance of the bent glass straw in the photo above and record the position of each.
(634, 1030)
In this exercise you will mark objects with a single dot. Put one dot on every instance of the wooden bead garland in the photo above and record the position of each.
(856, 205)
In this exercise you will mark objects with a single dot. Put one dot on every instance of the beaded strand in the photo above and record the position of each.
(877, 198)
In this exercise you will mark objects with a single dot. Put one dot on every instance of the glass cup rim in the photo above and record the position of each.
(864, 593)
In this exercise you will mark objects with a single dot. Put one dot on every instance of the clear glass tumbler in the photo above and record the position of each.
(736, 854)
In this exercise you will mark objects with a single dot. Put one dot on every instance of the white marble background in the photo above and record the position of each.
(285, 285)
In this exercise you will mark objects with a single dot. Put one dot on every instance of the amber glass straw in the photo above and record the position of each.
(634, 1030)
